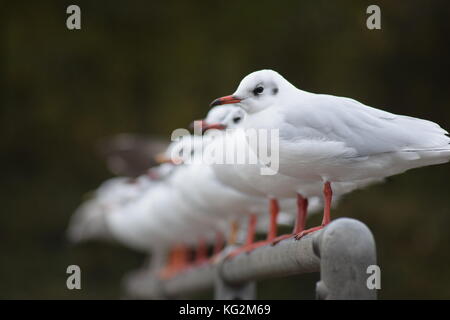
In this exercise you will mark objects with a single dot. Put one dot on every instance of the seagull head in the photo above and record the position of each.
(257, 91)
(233, 117)
(187, 149)
(223, 117)
(214, 118)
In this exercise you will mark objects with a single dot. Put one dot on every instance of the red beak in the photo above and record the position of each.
(217, 126)
(225, 100)
(205, 126)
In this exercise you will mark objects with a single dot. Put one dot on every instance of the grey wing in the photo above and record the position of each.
(365, 129)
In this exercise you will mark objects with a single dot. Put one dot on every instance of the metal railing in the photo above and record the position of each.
(341, 252)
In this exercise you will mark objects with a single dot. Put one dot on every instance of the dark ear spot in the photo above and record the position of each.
(275, 90)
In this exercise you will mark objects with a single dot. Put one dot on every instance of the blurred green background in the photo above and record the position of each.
(149, 67)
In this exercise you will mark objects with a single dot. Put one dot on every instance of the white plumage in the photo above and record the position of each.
(324, 137)
(327, 144)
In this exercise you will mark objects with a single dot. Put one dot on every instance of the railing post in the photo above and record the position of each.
(225, 291)
(346, 249)
(137, 283)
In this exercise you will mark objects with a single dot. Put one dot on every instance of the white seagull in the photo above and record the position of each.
(276, 187)
(330, 139)
(89, 220)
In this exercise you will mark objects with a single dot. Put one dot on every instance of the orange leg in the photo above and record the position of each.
(274, 210)
(300, 221)
(271, 234)
(218, 246)
(251, 230)
(302, 211)
(249, 241)
(183, 257)
(234, 233)
(201, 254)
(171, 266)
(328, 195)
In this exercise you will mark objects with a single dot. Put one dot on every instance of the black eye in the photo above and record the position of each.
(258, 90)
(237, 119)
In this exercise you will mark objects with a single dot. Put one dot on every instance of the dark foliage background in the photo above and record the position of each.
(150, 67)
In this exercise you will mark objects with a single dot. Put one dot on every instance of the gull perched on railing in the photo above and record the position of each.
(276, 186)
(325, 139)
(89, 220)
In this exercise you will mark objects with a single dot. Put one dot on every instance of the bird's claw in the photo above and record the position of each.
(281, 238)
(300, 235)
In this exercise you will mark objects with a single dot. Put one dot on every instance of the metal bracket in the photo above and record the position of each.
(346, 249)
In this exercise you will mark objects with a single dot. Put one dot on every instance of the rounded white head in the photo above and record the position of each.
(187, 149)
(258, 91)
(224, 116)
